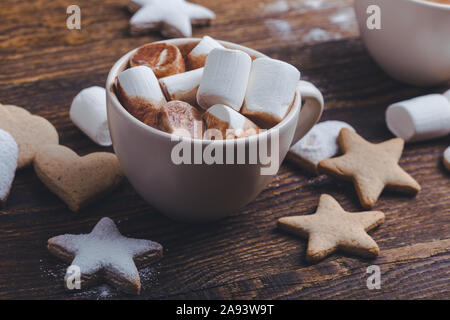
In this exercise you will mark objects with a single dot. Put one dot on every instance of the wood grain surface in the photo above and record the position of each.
(43, 65)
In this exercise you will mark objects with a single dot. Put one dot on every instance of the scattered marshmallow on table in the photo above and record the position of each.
(88, 112)
(421, 118)
(163, 58)
(318, 144)
(173, 18)
(182, 86)
(197, 57)
(9, 153)
(181, 119)
(139, 92)
(225, 78)
(446, 158)
(230, 123)
(270, 91)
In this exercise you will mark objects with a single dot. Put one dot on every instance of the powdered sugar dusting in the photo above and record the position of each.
(280, 26)
(321, 142)
(51, 270)
(315, 4)
(320, 35)
(100, 292)
(278, 6)
(300, 6)
(8, 163)
(344, 18)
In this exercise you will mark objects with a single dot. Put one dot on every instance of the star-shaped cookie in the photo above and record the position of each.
(371, 167)
(104, 254)
(173, 18)
(332, 228)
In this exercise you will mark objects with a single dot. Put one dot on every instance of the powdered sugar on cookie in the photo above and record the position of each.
(106, 253)
(8, 164)
(319, 144)
(173, 18)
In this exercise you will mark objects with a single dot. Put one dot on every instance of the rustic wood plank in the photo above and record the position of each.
(43, 66)
(309, 282)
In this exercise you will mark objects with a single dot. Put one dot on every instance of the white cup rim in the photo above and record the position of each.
(432, 4)
(114, 71)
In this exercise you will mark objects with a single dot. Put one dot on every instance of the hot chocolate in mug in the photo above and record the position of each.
(198, 189)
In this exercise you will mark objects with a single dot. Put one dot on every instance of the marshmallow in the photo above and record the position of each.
(197, 57)
(9, 153)
(230, 123)
(270, 91)
(182, 86)
(446, 158)
(421, 118)
(181, 119)
(224, 79)
(163, 58)
(88, 112)
(318, 144)
(139, 91)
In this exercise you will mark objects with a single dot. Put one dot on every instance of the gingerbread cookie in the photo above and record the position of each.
(332, 228)
(104, 254)
(8, 164)
(371, 167)
(77, 180)
(29, 131)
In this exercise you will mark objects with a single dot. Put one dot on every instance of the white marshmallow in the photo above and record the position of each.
(8, 164)
(318, 144)
(421, 118)
(224, 79)
(182, 86)
(139, 92)
(270, 91)
(88, 112)
(446, 158)
(447, 94)
(197, 57)
(229, 122)
(141, 82)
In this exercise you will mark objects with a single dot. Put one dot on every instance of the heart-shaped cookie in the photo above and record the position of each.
(8, 164)
(29, 131)
(77, 180)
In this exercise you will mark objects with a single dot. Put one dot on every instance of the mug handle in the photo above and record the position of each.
(310, 111)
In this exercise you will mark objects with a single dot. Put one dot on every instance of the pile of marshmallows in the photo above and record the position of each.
(215, 93)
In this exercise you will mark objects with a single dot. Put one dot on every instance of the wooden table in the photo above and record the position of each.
(44, 65)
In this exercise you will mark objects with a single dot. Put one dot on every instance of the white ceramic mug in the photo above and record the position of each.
(199, 192)
(413, 44)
